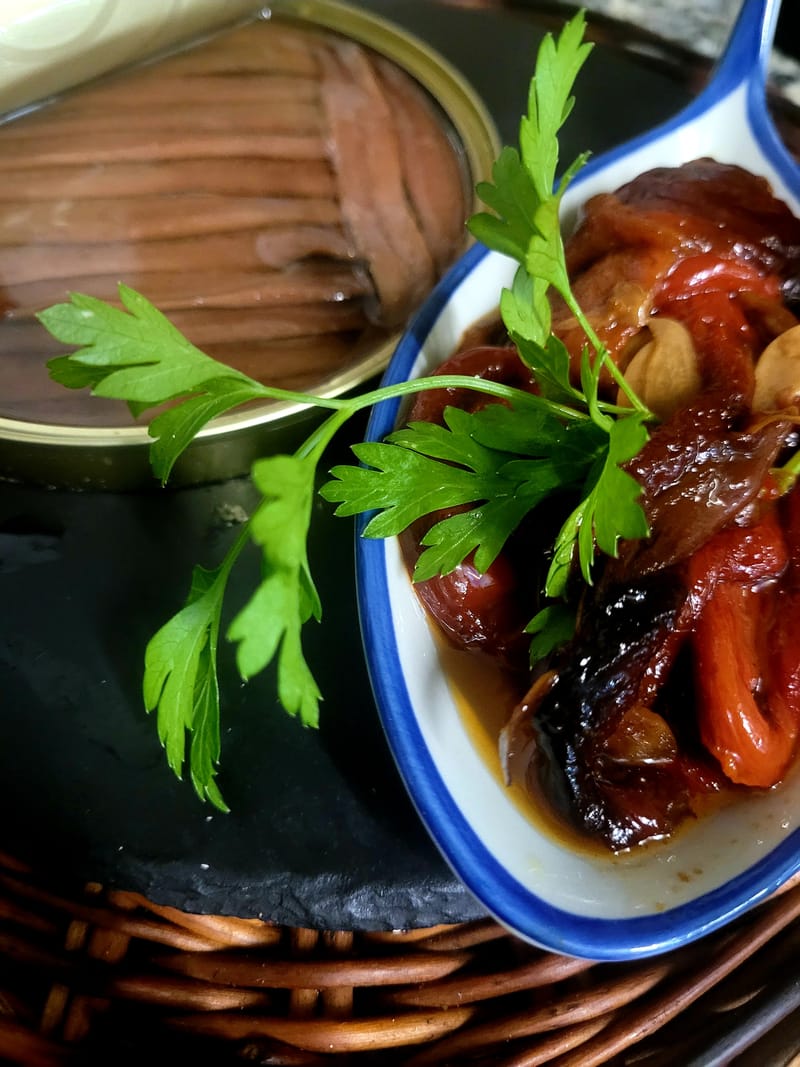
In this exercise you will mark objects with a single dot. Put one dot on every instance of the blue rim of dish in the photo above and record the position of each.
(503, 896)
(743, 65)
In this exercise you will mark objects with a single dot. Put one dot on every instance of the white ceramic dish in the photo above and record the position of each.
(566, 899)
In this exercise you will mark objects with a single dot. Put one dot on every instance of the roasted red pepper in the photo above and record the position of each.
(711, 272)
(496, 363)
(746, 657)
(482, 612)
(784, 637)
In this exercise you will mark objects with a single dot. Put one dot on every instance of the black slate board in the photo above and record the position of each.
(321, 831)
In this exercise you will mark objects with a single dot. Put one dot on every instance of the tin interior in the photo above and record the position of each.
(175, 178)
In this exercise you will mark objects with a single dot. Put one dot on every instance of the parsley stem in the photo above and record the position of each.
(346, 407)
(235, 550)
(622, 382)
(351, 404)
(789, 472)
(463, 381)
(319, 439)
(603, 353)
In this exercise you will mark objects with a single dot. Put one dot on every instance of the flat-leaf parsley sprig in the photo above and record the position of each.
(525, 225)
(496, 464)
(533, 454)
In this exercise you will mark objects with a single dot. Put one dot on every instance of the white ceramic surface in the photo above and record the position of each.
(47, 46)
(566, 899)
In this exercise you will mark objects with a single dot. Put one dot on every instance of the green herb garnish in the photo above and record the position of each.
(496, 464)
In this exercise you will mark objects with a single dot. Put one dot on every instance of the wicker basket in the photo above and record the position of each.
(89, 976)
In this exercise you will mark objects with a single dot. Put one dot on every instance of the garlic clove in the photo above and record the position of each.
(664, 373)
(777, 373)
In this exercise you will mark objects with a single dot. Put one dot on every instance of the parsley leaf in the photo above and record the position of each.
(527, 199)
(174, 429)
(116, 342)
(134, 353)
(503, 459)
(508, 480)
(551, 627)
(286, 598)
(525, 223)
(180, 682)
(180, 678)
(609, 509)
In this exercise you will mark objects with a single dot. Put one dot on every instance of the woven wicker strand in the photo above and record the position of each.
(90, 976)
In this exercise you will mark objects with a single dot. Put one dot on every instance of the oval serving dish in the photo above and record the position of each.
(565, 898)
(225, 182)
(546, 887)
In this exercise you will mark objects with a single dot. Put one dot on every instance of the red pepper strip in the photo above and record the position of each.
(784, 661)
(743, 722)
(725, 341)
(754, 747)
(701, 292)
(740, 555)
(743, 555)
(709, 272)
(784, 637)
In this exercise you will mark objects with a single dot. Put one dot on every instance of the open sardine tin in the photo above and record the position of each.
(287, 190)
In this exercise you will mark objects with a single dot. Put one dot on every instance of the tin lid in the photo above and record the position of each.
(47, 46)
(286, 190)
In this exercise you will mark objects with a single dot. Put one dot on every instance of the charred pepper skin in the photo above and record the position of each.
(599, 677)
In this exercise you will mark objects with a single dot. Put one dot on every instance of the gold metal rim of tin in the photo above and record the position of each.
(117, 458)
